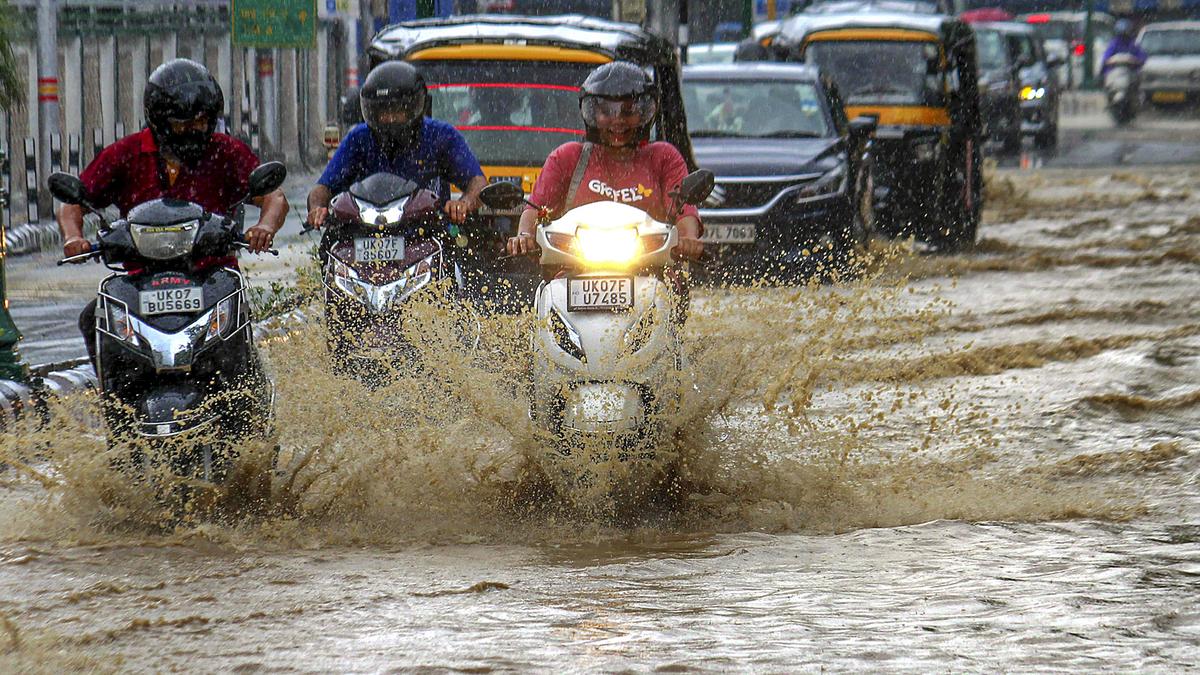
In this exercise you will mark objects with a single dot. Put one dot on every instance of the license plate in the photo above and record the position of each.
(1168, 96)
(378, 249)
(729, 234)
(182, 300)
(585, 294)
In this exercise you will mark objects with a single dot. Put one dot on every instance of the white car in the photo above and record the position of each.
(1172, 71)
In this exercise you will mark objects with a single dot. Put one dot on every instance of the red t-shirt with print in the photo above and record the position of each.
(644, 181)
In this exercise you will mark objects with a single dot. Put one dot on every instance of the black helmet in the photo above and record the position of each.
(182, 91)
(614, 88)
(393, 103)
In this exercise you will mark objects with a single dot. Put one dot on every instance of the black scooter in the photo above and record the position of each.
(175, 353)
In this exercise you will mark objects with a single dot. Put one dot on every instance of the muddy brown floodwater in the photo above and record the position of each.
(976, 462)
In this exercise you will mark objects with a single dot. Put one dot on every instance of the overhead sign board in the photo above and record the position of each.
(274, 23)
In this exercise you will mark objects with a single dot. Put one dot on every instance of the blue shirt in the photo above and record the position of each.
(441, 153)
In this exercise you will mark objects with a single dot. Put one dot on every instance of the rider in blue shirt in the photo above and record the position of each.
(397, 137)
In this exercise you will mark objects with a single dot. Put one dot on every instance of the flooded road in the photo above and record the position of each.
(978, 462)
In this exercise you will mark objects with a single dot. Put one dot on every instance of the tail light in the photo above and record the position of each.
(1078, 49)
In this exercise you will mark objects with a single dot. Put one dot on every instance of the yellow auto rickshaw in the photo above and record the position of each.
(510, 84)
(916, 75)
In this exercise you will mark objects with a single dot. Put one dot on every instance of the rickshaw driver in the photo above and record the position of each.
(618, 104)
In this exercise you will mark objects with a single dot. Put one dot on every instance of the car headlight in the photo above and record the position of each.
(926, 150)
(119, 324)
(1032, 93)
(611, 246)
(832, 182)
(220, 319)
(164, 242)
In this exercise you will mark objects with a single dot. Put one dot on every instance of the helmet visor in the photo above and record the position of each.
(635, 112)
(396, 111)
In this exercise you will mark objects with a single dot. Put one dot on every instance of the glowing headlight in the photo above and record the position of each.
(607, 246)
(164, 242)
(1032, 94)
(220, 318)
(831, 183)
(119, 324)
(389, 216)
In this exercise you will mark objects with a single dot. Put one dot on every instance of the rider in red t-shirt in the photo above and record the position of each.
(618, 102)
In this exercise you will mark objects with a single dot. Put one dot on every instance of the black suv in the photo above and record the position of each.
(790, 168)
(1017, 84)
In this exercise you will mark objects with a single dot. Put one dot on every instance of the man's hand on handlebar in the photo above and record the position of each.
(689, 247)
(316, 217)
(259, 238)
(76, 246)
(522, 244)
(459, 209)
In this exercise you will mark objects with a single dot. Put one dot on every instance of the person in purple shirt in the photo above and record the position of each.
(1122, 43)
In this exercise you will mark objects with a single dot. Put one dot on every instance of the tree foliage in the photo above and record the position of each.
(12, 88)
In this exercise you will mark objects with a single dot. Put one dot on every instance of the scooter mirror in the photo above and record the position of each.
(66, 188)
(695, 186)
(863, 125)
(502, 195)
(266, 178)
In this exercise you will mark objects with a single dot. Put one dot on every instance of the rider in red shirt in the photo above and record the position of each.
(179, 156)
(618, 102)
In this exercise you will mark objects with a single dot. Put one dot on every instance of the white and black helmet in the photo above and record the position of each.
(617, 87)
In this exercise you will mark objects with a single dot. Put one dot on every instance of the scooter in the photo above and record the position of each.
(383, 243)
(175, 355)
(1120, 87)
(608, 365)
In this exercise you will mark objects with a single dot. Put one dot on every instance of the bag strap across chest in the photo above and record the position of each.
(577, 177)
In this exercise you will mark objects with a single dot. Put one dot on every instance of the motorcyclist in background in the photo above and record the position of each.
(178, 155)
(1122, 43)
(398, 138)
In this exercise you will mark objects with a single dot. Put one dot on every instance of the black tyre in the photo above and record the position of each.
(961, 204)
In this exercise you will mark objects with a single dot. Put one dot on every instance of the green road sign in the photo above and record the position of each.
(274, 23)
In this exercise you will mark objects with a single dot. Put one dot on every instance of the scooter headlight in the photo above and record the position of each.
(345, 278)
(164, 242)
(607, 246)
(220, 319)
(119, 324)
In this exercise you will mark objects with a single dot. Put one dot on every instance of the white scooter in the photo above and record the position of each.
(1121, 87)
(608, 368)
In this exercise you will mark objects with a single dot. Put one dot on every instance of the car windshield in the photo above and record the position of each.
(880, 72)
(1056, 30)
(990, 49)
(511, 113)
(711, 53)
(1171, 42)
(755, 109)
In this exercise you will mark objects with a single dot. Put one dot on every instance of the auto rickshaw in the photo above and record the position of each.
(511, 84)
(916, 75)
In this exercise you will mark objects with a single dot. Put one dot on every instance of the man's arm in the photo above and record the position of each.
(70, 223)
(274, 208)
(318, 205)
(458, 209)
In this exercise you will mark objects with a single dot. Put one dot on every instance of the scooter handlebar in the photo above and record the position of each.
(93, 251)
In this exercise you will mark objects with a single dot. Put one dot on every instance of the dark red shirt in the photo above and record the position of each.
(130, 172)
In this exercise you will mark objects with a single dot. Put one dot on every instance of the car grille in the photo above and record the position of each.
(749, 195)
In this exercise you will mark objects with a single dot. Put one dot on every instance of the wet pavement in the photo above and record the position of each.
(975, 462)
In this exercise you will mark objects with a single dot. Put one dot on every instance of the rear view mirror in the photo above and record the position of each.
(66, 188)
(266, 178)
(502, 195)
(695, 186)
(863, 126)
